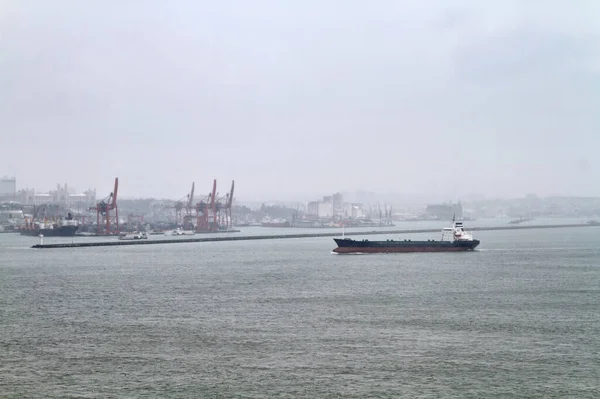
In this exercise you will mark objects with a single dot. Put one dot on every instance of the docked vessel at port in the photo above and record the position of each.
(136, 235)
(180, 232)
(454, 239)
(66, 227)
(268, 222)
(11, 216)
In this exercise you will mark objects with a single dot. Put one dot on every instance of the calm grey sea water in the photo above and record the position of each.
(518, 318)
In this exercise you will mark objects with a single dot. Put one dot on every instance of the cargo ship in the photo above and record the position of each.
(454, 239)
(66, 227)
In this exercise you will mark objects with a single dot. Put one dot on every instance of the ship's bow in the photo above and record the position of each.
(343, 245)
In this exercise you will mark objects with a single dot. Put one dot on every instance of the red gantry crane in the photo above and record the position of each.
(204, 210)
(107, 214)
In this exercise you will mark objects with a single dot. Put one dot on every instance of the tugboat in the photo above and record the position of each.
(453, 239)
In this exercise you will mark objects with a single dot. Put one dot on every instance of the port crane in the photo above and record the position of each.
(30, 223)
(107, 213)
(223, 209)
(183, 219)
(189, 208)
(178, 207)
(230, 206)
(205, 209)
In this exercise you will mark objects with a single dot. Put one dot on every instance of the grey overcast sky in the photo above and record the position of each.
(499, 97)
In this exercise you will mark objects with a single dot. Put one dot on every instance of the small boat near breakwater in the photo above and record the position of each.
(136, 235)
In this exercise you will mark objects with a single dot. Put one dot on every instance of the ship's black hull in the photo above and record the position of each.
(63, 231)
(390, 246)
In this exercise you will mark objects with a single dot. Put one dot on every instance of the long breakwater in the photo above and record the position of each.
(287, 236)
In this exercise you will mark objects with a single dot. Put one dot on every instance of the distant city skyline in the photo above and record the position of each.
(382, 197)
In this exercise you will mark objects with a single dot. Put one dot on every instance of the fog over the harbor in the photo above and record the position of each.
(302, 98)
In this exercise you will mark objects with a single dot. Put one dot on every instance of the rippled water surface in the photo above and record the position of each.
(287, 318)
